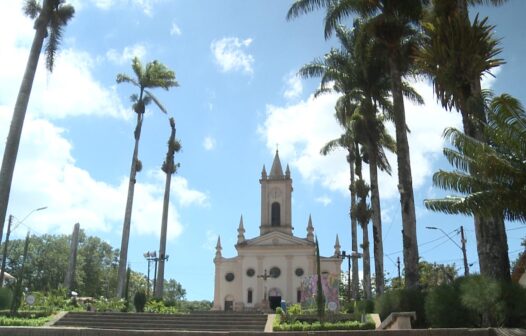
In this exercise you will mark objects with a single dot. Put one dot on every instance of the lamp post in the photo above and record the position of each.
(150, 256)
(4, 257)
(348, 256)
(462, 248)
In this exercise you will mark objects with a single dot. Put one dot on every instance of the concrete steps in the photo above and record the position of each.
(202, 321)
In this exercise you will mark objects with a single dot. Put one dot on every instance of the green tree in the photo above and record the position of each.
(433, 274)
(394, 25)
(456, 53)
(490, 176)
(153, 75)
(169, 167)
(50, 19)
(174, 291)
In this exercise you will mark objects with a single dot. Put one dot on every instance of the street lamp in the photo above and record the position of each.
(348, 256)
(4, 257)
(150, 256)
(462, 248)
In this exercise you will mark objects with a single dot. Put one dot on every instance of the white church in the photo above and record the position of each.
(270, 267)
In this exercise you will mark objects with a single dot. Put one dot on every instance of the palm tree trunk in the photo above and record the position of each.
(490, 232)
(405, 180)
(378, 248)
(123, 260)
(354, 234)
(366, 262)
(19, 114)
(168, 168)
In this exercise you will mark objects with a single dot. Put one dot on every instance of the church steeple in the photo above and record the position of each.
(240, 231)
(218, 247)
(276, 171)
(310, 230)
(276, 197)
(337, 247)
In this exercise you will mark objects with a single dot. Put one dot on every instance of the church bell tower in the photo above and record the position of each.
(276, 194)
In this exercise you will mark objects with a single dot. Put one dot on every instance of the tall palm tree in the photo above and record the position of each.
(455, 54)
(392, 23)
(169, 167)
(153, 75)
(490, 175)
(50, 19)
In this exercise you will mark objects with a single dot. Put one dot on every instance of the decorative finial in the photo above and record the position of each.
(337, 247)
(263, 173)
(310, 230)
(240, 231)
(287, 172)
(218, 247)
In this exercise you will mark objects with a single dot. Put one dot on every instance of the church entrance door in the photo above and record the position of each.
(274, 302)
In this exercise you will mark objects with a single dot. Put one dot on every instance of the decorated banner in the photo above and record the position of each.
(329, 283)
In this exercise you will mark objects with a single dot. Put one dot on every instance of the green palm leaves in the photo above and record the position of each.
(52, 15)
(490, 176)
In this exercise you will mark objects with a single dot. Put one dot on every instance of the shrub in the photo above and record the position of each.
(6, 295)
(139, 301)
(444, 308)
(403, 300)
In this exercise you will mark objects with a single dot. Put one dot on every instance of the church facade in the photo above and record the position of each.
(270, 268)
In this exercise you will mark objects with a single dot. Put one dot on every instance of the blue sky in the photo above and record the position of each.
(238, 99)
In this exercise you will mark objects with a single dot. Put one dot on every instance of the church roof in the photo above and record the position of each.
(275, 238)
(276, 171)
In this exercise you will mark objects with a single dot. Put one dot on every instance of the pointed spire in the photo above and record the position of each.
(240, 231)
(310, 230)
(276, 171)
(218, 247)
(263, 173)
(337, 247)
(287, 172)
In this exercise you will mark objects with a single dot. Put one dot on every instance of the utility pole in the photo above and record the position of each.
(463, 241)
(398, 266)
(68, 280)
(4, 257)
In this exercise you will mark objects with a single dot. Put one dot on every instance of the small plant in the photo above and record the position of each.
(139, 301)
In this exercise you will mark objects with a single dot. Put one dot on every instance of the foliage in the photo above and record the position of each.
(139, 301)
(433, 274)
(477, 301)
(158, 306)
(18, 321)
(109, 305)
(304, 326)
(189, 306)
(444, 308)
(403, 300)
(6, 295)
(320, 299)
(491, 177)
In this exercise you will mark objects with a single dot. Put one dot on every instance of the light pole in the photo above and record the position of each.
(348, 256)
(150, 256)
(462, 248)
(4, 257)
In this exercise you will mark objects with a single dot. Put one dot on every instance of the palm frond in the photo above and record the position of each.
(32, 8)
(155, 100)
(300, 7)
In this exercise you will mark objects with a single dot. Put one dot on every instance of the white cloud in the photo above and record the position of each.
(175, 30)
(186, 196)
(145, 5)
(209, 143)
(211, 241)
(127, 54)
(325, 200)
(293, 87)
(303, 128)
(71, 90)
(230, 54)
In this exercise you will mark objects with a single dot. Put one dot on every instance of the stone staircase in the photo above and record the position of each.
(197, 321)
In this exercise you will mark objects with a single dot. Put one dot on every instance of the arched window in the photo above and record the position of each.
(275, 214)
(249, 295)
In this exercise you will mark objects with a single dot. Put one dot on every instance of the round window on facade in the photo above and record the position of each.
(250, 272)
(299, 271)
(275, 272)
(229, 277)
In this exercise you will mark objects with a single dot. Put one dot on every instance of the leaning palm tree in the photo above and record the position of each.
(169, 168)
(50, 19)
(153, 75)
(455, 54)
(490, 175)
(392, 23)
